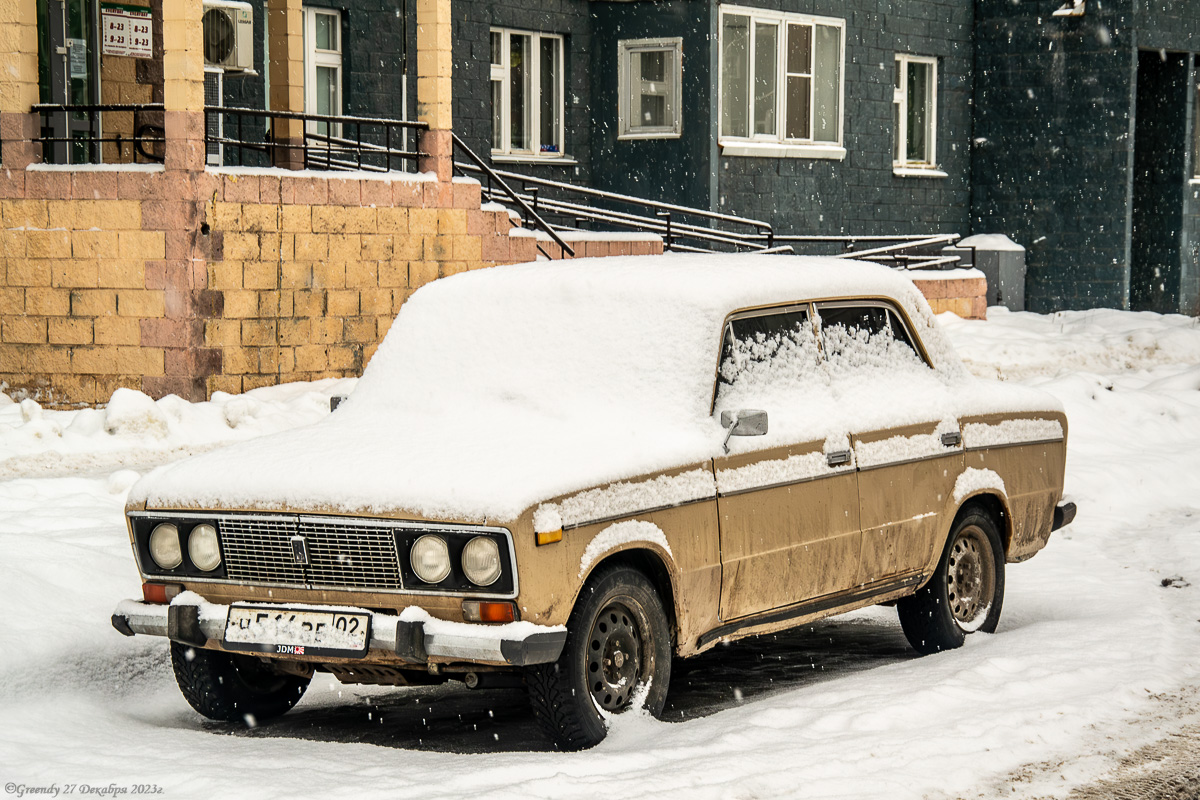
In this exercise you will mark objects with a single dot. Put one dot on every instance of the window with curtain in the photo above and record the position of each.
(527, 94)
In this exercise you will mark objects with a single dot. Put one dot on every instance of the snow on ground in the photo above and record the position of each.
(134, 430)
(1095, 627)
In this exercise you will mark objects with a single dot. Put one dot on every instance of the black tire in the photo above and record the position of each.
(233, 688)
(965, 594)
(618, 637)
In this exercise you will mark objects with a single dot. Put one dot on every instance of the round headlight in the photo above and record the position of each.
(430, 558)
(481, 560)
(203, 548)
(164, 546)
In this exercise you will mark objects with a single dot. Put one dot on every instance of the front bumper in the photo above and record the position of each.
(414, 640)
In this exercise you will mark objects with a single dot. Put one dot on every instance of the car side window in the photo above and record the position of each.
(765, 353)
(855, 335)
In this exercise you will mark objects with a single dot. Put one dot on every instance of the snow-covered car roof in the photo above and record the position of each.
(501, 388)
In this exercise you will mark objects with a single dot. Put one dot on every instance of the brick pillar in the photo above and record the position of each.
(183, 84)
(176, 209)
(435, 63)
(19, 88)
(285, 29)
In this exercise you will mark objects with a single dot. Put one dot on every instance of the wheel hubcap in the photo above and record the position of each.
(614, 657)
(971, 578)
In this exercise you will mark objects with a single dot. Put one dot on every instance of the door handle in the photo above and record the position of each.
(837, 458)
(952, 439)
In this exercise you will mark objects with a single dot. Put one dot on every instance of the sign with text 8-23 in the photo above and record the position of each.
(126, 31)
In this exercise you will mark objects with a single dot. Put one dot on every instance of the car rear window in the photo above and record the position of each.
(860, 335)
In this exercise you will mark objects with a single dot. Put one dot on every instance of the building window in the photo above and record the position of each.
(650, 73)
(322, 68)
(781, 77)
(915, 103)
(527, 94)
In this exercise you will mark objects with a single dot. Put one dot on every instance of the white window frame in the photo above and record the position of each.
(501, 72)
(313, 58)
(778, 145)
(625, 89)
(902, 166)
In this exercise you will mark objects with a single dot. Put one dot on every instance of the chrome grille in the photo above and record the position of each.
(260, 549)
(339, 554)
(351, 556)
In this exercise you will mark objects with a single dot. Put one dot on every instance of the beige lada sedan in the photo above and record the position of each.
(569, 474)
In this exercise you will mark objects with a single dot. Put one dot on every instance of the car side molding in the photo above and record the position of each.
(814, 607)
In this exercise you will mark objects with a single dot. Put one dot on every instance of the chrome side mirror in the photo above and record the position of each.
(744, 422)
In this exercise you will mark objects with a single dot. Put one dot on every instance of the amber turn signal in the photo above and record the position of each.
(484, 611)
(160, 592)
(549, 537)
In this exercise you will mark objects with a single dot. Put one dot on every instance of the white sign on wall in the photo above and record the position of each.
(126, 31)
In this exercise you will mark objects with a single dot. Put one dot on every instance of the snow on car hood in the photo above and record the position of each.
(498, 389)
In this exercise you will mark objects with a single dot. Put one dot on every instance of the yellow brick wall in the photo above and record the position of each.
(72, 297)
(309, 290)
(173, 281)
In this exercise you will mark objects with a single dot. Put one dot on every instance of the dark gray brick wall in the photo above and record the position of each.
(860, 194)
(1054, 151)
(1036, 117)
(372, 57)
(472, 73)
(672, 170)
(1054, 166)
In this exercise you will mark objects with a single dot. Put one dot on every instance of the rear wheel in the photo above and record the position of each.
(233, 688)
(618, 641)
(966, 591)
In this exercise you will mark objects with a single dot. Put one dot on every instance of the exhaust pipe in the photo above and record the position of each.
(493, 680)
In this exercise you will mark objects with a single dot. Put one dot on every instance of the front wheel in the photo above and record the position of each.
(966, 592)
(233, 688)
(618, 641)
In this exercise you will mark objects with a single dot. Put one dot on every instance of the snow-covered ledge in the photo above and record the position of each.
(71, 168)
(772, 150)
(918, 172)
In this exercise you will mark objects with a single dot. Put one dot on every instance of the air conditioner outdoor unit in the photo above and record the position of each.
(229, 34)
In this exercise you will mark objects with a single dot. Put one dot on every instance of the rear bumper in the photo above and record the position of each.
(1064, 513)
(415, 641)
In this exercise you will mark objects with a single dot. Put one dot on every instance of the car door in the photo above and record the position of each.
(787, 504)
(905, 436)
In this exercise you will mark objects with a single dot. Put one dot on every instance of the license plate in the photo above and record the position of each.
(307, 632)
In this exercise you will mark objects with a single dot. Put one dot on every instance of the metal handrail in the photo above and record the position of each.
(399, 123)
(92, 138)
(929, 241)
(525, 207)
(662, 220)
(641, 201)
(337, 153)
(895, 250)
(907, 237)
(88, 108)
(648, 224)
